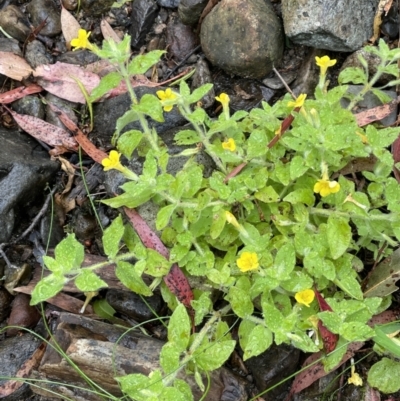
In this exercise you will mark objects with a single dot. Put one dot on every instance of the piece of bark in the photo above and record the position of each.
(103, 360)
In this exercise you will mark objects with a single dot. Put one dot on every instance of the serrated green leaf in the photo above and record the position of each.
(198, 93)
(215, 355)
(170, 357)
(108, 82)
(301, 195)
(259, 340)
(257, 144)
(112, 236)
(151, 106)
(129, 278)
(69, 254)
(89, 281)
(356, 331)
(267, 195)
(284, 262)
(127, 118)
(220, 126)
(156, 264)
(202, 306)
(187, 137)
(240, 301)
(129, 141)
(46, 288)
(140, 64)
(382, 374)
(179, 328)
(338, 235)
(352, 74)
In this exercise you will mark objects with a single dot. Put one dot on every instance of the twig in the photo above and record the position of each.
(284, 83)
(182, 61)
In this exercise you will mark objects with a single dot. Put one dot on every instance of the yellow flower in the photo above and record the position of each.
(324, 187)
(229, 144)
(82, 42)
(323, 63)
(224, 99)
(355, 377)
(305, 297)
(248, 261)
(167, 95)
(231, 219)
(112, 162)
(299, 101)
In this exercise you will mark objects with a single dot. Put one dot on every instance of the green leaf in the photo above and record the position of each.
(382, 374)
(259, 340)
(257, 144)
(297, 167)
(267, 195)
(170, 357)
(284, 263)
(156, 264)
(136, 194)
(151, 106)
(218, 223)
(112, 236)
(140, 64)
(108, 82)
(46, 288)
(202, 307)
(356, 331)
(240, 301)
(89, 281)
(215, 355)
(198, 93)
(103, 309)
(301, 195)
(220, 126)
(127, 118)
(338, 235)
(69, 254)
(352, 74)
(179, 328)
(187, 137)
(128, 142)
(245, 328)
(129, 278)
(184, 89)
(163, 216)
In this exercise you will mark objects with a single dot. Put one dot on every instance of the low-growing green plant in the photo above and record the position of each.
(274, 224)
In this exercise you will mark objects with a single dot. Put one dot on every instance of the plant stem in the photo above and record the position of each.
(372, 217)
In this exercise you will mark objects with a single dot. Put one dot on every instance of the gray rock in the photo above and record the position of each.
(168, 3)
(203, 76)
(30, 105)
(45, 10)
(24, 170)
(10, 45)
(79, 57)
(243, 37)
(14, 22)
(96, 8)
(181, 39)
(36, 54)
(342, 25)
(190, 10)
(144, 13)
(64, 105)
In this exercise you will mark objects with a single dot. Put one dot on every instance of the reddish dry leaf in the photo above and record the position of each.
(11, 386)
(69, 26)
(329, 339)
(19, 93)
(108, 32)
(14, 67)
(175, 280)
(376, 113)
(45, 132)
(61, 79)
(96, 154)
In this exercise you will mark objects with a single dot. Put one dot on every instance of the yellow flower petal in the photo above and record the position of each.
(325, 187)
(82, 42)
(112, 161)
(231, 219)
(248, 261)
(305, 297)
(167, 95)
(223, 98)
(298, 102)
(229, 144)
(323, 63)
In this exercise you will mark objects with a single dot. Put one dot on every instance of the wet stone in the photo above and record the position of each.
(70, 4)
(64, 105)
(96, 8)
(200, 77)
(143, 15)
(10, 45)
(30, 105)
(223, 32)
(5, 303)
(181, 39)
(79, 57)
(14, 22)
(130, 304)
(36, 54)
(45, 10)
(168, 3)
(190, 10)
(25, 169)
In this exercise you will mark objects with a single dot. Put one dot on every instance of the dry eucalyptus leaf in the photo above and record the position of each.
(68, 168)
(382, 280)
(69, 26)
(108, 32)
(14, 67)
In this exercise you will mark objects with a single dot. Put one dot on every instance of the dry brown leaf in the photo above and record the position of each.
(65, 204)
(19, 93)
(383, 6)
(68, 168)
(108, 32)
(376, 113)
(69, 26)
(61, 79)
(14, 67)
(45, 132)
